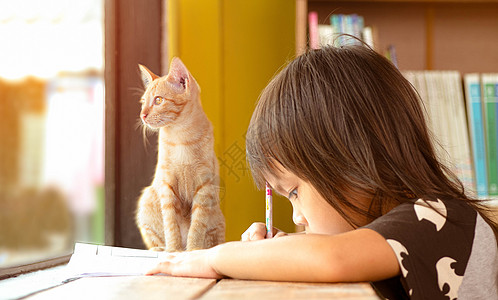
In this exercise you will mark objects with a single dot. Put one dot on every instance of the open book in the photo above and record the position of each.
(96, 260)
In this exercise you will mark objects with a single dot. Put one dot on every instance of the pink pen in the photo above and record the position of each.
(269, 212)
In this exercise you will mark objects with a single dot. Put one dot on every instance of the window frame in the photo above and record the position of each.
(129, 25)
(134, 33)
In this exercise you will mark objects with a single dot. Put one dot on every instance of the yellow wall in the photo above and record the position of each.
(233, 48)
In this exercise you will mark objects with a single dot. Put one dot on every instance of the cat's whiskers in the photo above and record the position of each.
(144, 136)
(146, 132)
(137, 91)
(139, 124)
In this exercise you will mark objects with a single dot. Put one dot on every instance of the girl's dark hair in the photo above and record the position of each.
(345, 119)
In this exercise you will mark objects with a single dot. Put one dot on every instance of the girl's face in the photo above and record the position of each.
(310, 209)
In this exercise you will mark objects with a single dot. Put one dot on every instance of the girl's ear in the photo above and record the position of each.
(178, 74)
(147, 75)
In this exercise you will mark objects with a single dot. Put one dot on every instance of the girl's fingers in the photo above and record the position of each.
(190, 264)
(162, 267)
(153, 271)
(257, 231)
(279, 234)
(258, 235)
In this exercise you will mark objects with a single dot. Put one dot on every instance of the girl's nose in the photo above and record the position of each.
(298, 218)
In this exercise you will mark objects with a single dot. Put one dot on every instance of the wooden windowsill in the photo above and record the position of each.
(22, 269)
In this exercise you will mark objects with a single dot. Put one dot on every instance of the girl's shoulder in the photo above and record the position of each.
(431, 214)
(440, 245)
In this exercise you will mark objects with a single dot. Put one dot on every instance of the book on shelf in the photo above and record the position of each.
(490, 105)
(336, 24)
(460, 136)
(442, 95)
(325, 35)
(391, 55)
(313, 30)
(348, 24)
(335, 33)
(476, 129)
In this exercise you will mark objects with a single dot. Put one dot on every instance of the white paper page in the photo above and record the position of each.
(96, 260)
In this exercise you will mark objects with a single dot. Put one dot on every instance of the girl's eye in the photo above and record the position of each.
(293, 194)
(158, 100)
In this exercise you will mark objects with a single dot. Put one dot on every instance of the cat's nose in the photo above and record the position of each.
(144, 116)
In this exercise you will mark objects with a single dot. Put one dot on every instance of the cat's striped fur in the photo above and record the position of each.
(180, 210)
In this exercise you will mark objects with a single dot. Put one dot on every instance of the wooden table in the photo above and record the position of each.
(167, 287)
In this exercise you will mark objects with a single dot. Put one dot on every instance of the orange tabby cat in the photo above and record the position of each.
(180, 209)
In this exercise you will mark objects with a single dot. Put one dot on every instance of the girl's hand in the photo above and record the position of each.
(187, 264)
(257, 231)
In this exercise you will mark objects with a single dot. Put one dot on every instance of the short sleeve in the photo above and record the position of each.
(432, 241)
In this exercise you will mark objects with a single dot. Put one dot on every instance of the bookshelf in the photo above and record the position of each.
(428, 35)
(459, 35)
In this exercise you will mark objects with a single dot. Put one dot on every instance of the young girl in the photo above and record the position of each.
(342, 134)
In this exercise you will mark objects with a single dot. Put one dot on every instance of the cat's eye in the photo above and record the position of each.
(158, 100)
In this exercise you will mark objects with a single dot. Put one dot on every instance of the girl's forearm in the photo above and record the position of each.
(313, 258)
(288, 258)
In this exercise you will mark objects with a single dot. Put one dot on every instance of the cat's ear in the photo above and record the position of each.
(178, 74)
(147, 75)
